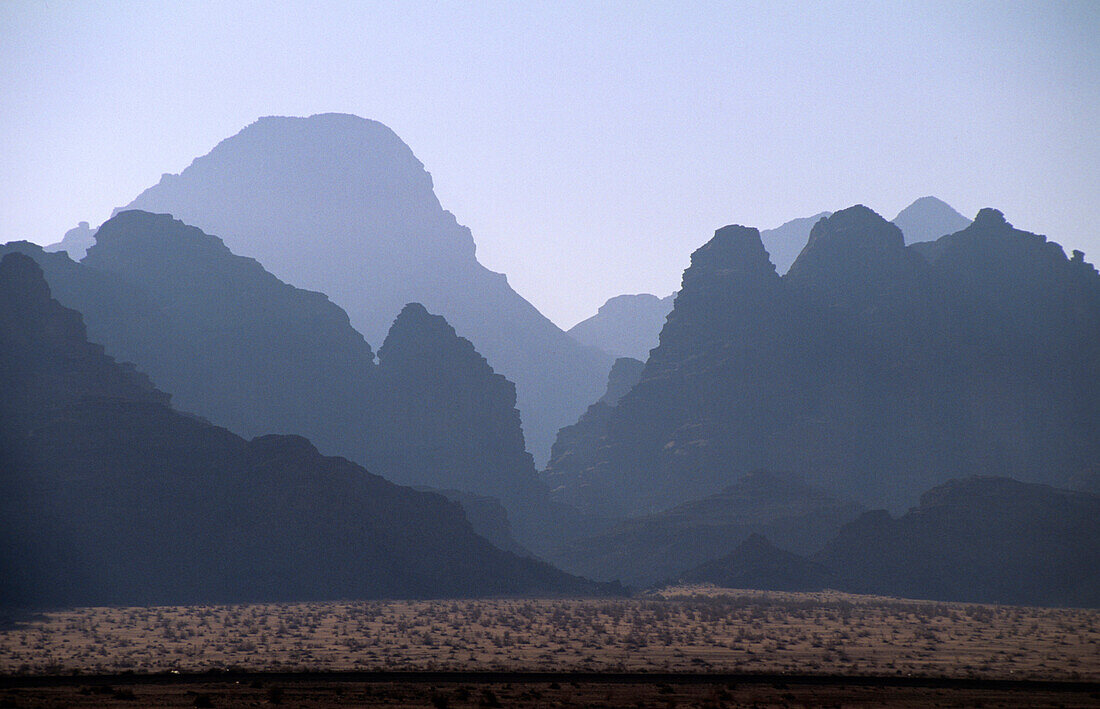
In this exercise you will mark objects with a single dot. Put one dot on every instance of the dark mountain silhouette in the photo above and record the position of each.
(785, 242)
(585, 436)
(339, 204)
(645, 550)
(626, 325)
(76, 241)
(449, 421)
(109, 496)
(757, 563)
(872, 369)
(981, 539)
(487, 517)
(929, 218)
(253, 354)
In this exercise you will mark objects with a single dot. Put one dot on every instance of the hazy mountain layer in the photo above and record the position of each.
(653, 548)
(108, 496)
(870, 369)
(339, 204)
(988, 540)
(626, 325)
(241, 348)
(785, 242)
(76, 241)
(929, 218)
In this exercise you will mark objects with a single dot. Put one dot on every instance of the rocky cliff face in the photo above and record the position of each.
(108, 496)
(870, 369)
(366, 229)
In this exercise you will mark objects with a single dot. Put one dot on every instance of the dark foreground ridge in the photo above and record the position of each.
(442, 677)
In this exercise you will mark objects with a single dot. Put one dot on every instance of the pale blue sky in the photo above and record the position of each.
(589, 146)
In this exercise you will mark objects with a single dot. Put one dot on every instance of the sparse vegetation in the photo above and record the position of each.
(686, 629)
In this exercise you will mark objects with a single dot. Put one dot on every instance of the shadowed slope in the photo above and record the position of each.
(111, 497)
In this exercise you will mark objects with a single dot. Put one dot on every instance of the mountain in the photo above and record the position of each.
(978, 539)
(757, 563)
(339, 204)
(785, 242)
(871, 369)
(109, 496)
(585, 436)
(253, 354)
(645, 550)
(929, 218)
(984, 539)
(76, 241)
(626, 325)
(449, 421)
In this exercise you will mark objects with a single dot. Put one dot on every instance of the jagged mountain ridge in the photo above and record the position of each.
(112, 497)
(872, 369)
(366, 229)
(251, 353)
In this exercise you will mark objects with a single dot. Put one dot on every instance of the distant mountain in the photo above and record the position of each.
(246, 351)
(929, 218)
(626, 325)
(785, 242)
(993, 540)
(109, 496)
(645, 550)
(339, 204)
(758, 564)
(872, 369)
(980, 539)
(76, 241)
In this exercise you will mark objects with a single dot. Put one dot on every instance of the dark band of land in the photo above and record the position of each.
(481, 678)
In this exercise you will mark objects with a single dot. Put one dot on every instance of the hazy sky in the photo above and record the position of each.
(590, 146)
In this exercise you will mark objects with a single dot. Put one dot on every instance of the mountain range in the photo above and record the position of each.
(979, 539)
(339, 204)
(244, 350)
(629, 325)
(872, 369)
(110, 496)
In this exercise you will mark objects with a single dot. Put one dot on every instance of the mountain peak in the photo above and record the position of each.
(929, 218)
(990, 218)
(734, 249)
(855, 227)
